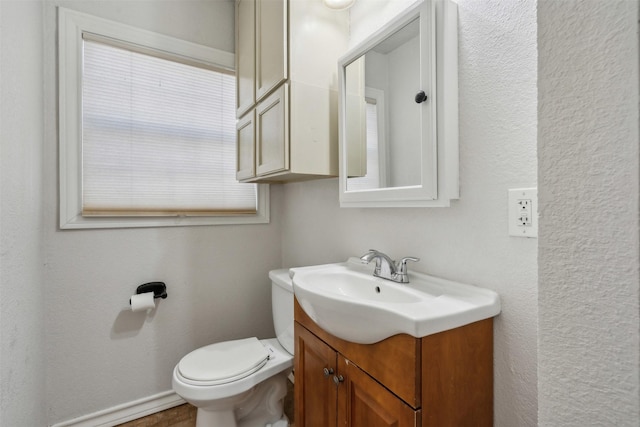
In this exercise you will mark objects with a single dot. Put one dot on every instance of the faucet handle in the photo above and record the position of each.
(402, 264)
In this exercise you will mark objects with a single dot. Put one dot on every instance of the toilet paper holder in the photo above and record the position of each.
(159, 289)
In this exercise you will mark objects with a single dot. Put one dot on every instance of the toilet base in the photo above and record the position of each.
(259, 407)
(206, 418)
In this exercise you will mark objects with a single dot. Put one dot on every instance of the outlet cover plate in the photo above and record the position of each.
(523, 212)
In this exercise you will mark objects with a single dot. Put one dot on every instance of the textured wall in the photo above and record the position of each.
(469, 241)
(22, 367)
(588, 192)
(98, 354)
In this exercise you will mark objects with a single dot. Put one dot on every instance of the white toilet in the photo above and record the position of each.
(242, 383)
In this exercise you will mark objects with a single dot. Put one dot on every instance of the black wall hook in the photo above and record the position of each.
(159, 289)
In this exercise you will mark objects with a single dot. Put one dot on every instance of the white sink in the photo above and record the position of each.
(346, 300)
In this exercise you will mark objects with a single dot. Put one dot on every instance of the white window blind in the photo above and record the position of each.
(158, 136)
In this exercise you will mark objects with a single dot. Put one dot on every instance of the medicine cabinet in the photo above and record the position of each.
(398, 117)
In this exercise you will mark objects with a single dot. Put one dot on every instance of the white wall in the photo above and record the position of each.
(469, 241)
(22, 367)
(99, 355)
(404, 115)
(588, 173)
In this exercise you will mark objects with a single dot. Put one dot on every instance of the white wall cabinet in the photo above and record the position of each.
(287, 94)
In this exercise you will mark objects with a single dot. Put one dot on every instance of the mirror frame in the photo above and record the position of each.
(438, 52)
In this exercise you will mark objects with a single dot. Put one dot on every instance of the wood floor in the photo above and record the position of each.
(180, 416)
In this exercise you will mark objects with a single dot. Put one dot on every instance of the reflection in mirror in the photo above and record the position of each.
(383, 126)
(374, 174)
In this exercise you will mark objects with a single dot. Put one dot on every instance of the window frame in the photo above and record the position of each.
(71, 26)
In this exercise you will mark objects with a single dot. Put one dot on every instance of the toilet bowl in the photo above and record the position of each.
(242, 383)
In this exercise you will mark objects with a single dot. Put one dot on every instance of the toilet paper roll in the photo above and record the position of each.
(142, 302)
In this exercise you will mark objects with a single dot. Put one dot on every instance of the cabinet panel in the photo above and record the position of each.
(315, 392)
(245, 147)
(313, 130)
(272, 41)
(457, 369)
(272, 132)
(245, 55)
(363, 402)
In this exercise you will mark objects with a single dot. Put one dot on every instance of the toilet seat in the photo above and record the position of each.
(223, 362)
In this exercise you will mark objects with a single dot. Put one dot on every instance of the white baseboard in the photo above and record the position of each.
(126, 412)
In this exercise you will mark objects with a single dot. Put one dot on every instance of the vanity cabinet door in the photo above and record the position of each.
(331, 391)
(315, 390)
(363, 402)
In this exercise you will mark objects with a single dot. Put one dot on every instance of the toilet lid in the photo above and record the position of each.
(223, 362)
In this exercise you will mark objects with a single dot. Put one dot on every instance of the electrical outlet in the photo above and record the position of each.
(523, 215)
(524, 212)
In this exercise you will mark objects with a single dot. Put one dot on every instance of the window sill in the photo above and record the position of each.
(71, 219)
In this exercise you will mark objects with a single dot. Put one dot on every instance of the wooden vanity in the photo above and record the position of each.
(444, 379)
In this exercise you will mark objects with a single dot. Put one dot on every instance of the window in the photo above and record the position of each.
(147, 131)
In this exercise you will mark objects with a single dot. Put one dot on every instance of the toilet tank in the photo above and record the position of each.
(282, 307)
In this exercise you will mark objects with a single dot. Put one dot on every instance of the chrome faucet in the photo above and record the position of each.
(386, 268)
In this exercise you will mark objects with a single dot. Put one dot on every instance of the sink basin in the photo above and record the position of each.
(346, 300)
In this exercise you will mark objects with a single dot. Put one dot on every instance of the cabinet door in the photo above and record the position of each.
(315, 390)
(363, 402)
(245, 147)
(245, 55)
(272, 45)
(272, 137)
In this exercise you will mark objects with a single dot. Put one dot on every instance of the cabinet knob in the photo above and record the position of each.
(327, 372)
(338, 379)
(421, 97)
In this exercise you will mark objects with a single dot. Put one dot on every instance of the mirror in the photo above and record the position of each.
(383, 117)
(388, 127)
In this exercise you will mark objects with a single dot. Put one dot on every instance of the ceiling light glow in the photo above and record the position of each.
(339, 4)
